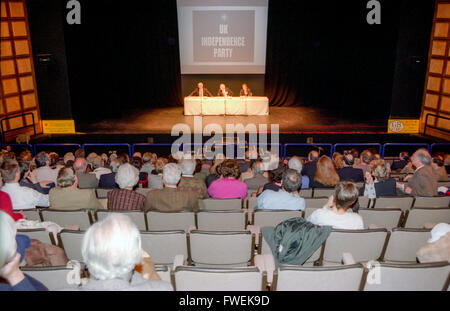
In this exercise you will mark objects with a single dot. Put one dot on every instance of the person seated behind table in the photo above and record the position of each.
(288, 197)
(228, 186)
(325, 176)
(67, 196)
(170, 198)
(377, 183)
(12, 250)
(245, 91)
(201, 91)
(224, 91)
(111, 250)
(125, 198)
(336, 212)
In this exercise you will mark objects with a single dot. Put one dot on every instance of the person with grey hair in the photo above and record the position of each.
(12, 249)
(67, 196)
(44, 172)
(259, 178)
(147, 166)
(170, 198)
(85, 180)
(125, 198)
(108, 181)
(287, 198)
(188, 182)
(69, 157)
(424, 181)
(99, 167)
(295, 163)
(111, 250)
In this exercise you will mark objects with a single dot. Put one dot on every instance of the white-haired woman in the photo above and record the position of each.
(11, 253)
(111, 250)
(125, 198)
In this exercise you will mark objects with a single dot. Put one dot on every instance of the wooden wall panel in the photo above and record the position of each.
(436, 97)
(18, 94)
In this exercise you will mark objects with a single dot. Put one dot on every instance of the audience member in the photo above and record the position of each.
(438, 167)
(310, 167)
(85, 180)
(295, 163)
(214, 171)
(338, 161)
(125, 198)
(424, 181)
(402, 162)
(108, 181)
(336, 212)
(148, 164)
(228, 186)
(437, 247)
(28, 179)
(287, 198)
(378, 183)
(325, 176)
(171, 199)
(275, 179)
(198, 173)
(155, 179)
(44, 172)
(79, 153)
(258, 179)
(348, 172)
(66, 195)
(6, 206)
(22, 198)
(188, 182)
(99, 167)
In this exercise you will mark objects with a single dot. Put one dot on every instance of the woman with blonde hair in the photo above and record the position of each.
(326, 175)
(378, 182)
(338, 161)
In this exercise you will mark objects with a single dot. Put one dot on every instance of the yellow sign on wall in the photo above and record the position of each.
(403, 126)
(58, 126)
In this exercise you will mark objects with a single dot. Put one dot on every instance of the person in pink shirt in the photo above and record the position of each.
(228, 186)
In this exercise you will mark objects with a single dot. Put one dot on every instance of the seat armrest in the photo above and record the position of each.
(270, 267)
(372, 226)
(429, 225)
(347, 259)
(256, 230)
(191, 228)
(178, 261)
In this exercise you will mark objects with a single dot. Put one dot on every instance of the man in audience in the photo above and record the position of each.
(22, 198)
(171, 199)
(155, 179)
(401, 163)
(111, 250)
(147, 166)
(438, 167)
(364, 161)
(310, 167)
(67, 196)
(287, 197)
(85, 180)
(258, 179)
(348, 172)
(99, 167)
(424, 181)
(336, 212)
(44, 172)
(69, 159)
(295, 163)
(125, 198)
(188, 182)
(79, 153)
(109, 180)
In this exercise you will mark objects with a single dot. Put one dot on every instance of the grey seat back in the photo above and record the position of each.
(138, 217)
(170, 221)
(220, 204)
(222, 220)
(268, 218)
(163, 246)
(32, 214)
(438, 201)
(81, 218)
(315, 202)
(53, 278)
(102, 193)
(404, 243)
(417, 217)
(38, 234)
(306, 193)
(382, 217)
(319, 193)
(71, 242)
(404, 203)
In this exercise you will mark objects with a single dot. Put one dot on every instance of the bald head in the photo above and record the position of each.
(421, 157)
(313, 155)
(80, 165)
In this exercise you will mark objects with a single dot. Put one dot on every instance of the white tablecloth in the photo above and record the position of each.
(254, 105)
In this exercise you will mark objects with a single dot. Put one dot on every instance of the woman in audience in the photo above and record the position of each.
(228, 186)
(275, 179)
(109, 180)
(336, 212)
(11, 254)
(326, 175)
(28, 179)
(338, 161)
(111, 250)
(378, 183)
(215, 169)
(143, 177)
(198, 170)
(125, 198)
(155, 179)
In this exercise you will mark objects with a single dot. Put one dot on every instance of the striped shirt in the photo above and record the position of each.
(123, 199)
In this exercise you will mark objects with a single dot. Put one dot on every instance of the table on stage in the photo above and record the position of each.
(253, 105)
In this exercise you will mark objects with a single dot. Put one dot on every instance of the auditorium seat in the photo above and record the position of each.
(53, 278)
(402, 202)
(137, 216)
(363, 201)
(410, 277)
(220, 204)
(381, 217)
(163, 246)
(271, 218)
(309, 210)
(38, 234)
(444, 184)
(417, 217)
(64, 218)
(170, 220)
(70, 241)
(437, 201)
(306, 193)
(315, 202)
(221, 248)
(320, 193)
(336, 278)
(163, 272)
(143, 191)
(404, 243)
(364, 245)
(32, 214)
(222, 220)
(102, 193)
(218, 279)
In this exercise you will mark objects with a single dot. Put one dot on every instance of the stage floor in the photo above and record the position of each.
(291, 120)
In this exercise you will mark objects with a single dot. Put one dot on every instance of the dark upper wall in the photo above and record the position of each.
(46, 18)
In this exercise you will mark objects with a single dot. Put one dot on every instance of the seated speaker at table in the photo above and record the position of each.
(224, 91)
(245, 91)
(201, 91)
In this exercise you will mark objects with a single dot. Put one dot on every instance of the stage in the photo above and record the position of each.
(291, 120)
